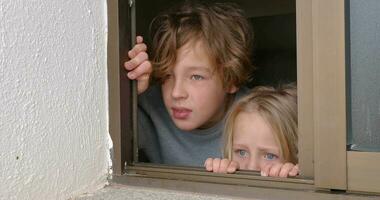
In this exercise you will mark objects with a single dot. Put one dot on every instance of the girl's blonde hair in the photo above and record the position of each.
(278, 106)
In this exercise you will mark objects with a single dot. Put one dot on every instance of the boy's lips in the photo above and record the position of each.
(181, 113)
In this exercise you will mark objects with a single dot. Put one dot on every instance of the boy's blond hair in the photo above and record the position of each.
(222, 28)
(278, 107)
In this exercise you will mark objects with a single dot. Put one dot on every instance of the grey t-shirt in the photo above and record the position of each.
(162, 142)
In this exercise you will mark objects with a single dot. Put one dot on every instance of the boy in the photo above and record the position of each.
(200, 60)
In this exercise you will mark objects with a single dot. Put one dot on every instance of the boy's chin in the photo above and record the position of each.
(185, 125)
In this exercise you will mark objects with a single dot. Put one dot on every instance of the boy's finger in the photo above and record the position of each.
(129, 65)
(136, 61)
(142, 78)
(137, 49)
(143, 83)
(142, 69)
(139, 39)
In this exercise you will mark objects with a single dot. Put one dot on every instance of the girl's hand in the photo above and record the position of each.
(139, 66)
(218, 165)
(280, 170)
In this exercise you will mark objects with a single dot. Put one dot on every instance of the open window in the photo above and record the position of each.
(300, 40)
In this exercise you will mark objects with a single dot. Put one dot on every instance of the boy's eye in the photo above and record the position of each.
(167, 76)
(242, 153)
(197, 77)
(270, 156)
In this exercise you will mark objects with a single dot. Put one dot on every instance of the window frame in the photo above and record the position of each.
(363, 171)
(329, 94)
(324, 161)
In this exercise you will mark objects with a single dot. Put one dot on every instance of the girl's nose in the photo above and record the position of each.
(254, 164)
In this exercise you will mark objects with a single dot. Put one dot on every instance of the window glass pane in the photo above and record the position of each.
(364, 75)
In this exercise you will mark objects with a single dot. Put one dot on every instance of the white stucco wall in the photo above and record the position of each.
(53, 98)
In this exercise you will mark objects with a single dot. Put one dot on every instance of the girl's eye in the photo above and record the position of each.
(197, 77)
(270, 156)
(243, 153)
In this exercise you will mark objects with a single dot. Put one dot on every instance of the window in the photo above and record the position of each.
(363, 75)
(322, 110)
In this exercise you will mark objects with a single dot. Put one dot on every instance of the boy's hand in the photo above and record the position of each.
(280, 170)
(218, 165)
(139, 66)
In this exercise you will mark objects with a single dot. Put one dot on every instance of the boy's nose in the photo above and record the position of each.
(179, 90)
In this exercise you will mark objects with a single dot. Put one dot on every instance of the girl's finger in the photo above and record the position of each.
(216, 165)
(233, 167)
(264, 171)
(224, 165)
(285, 169)
(275, 170)
(208, 164)
(294, 171)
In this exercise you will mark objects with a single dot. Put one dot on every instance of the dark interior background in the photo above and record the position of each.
(274, 26)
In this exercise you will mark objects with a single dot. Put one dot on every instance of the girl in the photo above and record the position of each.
(261, 134)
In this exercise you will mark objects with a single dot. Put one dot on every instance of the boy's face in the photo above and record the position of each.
(254, 144)
(193, 92)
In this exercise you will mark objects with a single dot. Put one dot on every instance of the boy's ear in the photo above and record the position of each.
(232, 89)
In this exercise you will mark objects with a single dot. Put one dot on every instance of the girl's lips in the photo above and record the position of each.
(181, 113)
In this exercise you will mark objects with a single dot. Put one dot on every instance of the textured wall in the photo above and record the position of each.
(53, 98)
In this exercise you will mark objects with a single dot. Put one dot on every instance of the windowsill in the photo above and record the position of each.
(199, 190)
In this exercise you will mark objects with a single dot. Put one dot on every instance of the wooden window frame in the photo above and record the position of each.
(324, 161)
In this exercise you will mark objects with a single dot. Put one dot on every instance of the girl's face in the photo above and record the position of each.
(254, 144)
